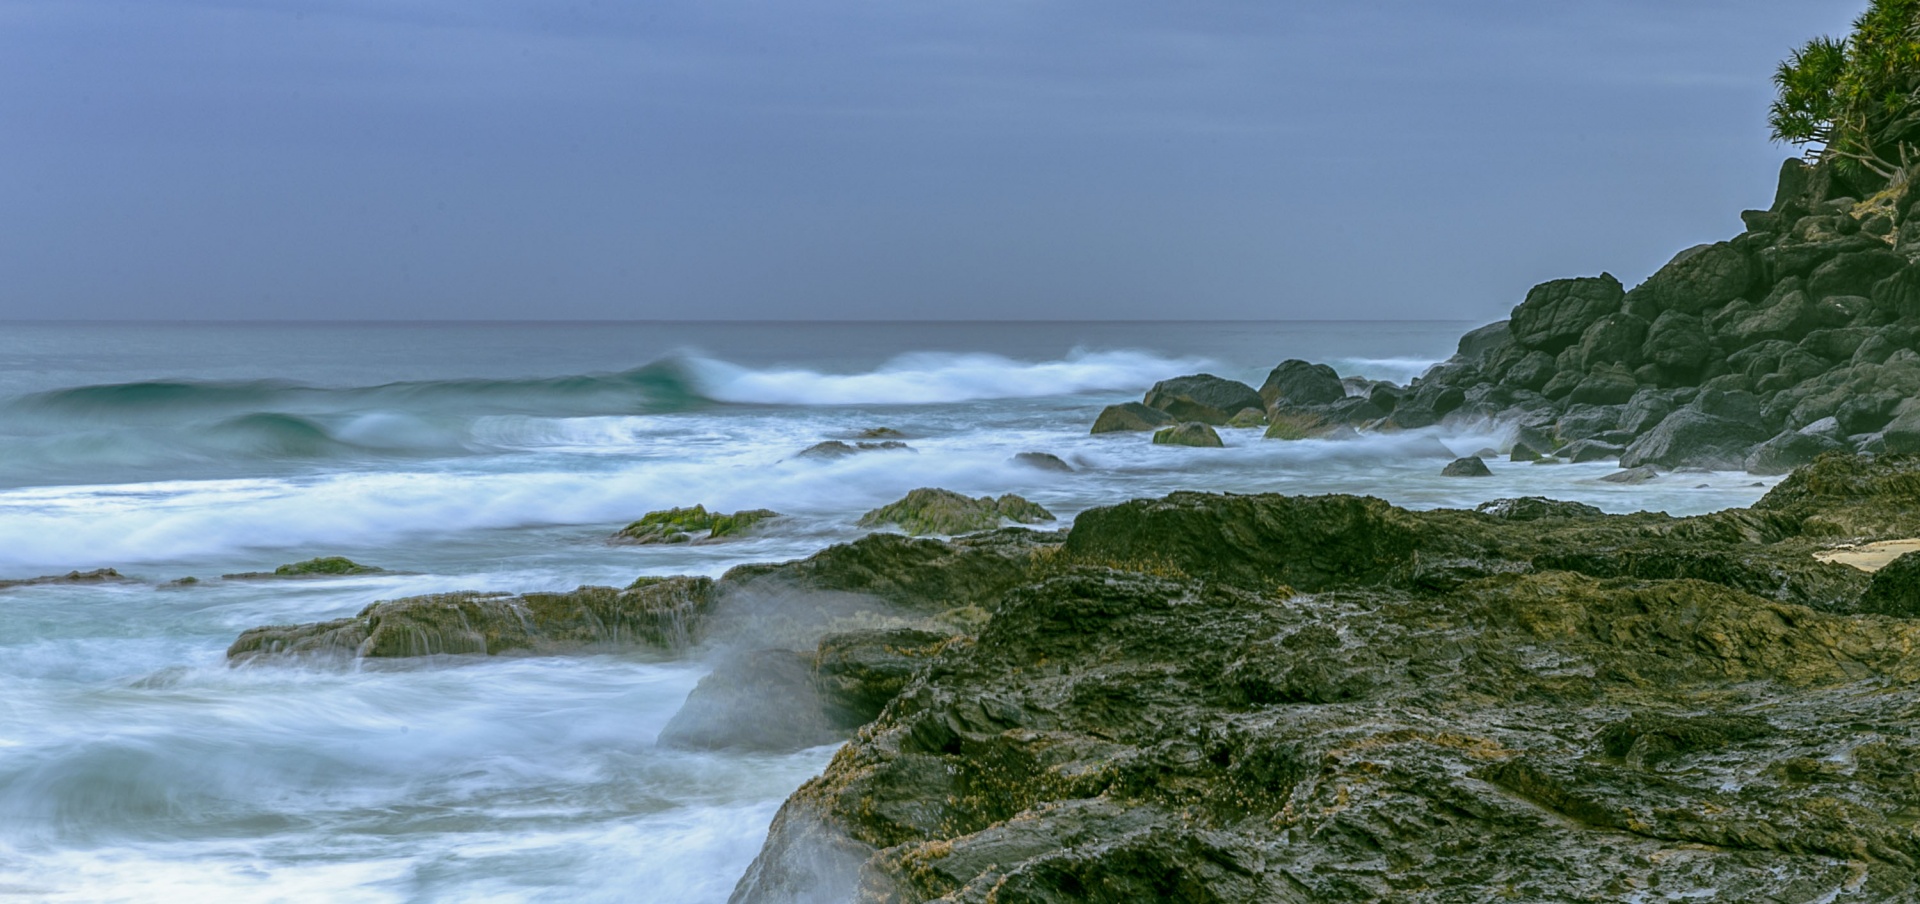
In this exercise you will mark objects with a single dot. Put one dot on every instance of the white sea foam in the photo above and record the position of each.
(926, 378)
(1397, 370)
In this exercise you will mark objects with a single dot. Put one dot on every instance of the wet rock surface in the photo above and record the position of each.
(690, 525)
(1264, 698)
(936, 511)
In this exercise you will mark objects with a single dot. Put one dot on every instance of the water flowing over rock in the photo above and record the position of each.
(1239, 698)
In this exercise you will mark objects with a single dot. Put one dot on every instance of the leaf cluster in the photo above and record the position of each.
(1856, 102)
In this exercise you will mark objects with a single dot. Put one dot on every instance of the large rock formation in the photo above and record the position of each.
(1809, 312)
(1263, 698)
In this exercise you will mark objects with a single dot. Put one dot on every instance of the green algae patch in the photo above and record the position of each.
(690, 525)
(935, 511)
(328, 565)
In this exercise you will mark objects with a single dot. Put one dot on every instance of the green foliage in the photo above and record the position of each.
(1858, 100)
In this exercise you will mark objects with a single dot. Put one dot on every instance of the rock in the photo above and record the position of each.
(764, 700)
(1299, 424)
(1247, 419)
(1636, 475)
(1204, 398)
(1895, 589)
(1523, 453)
(881, 433)
(1295, 382)
(1677, 342)
(1606, 385)
(1385, 396)
(659, 612)
(1902, 434)
(1130, 417)
(1898, 296)
(1866, 413)
(1787, 451)
(1613, 339)
(1836, 344)
(1471, 466)
(1562, 708)
(1590, 450)
(1478, 345)
(1043, 461)
(1789, 318)
(1532, 371)
(1555, 313)
(1583, 421)
(1854, 273)
(1534, 508)
(935, 511)
(1644, 410)
(323, 567)
(858, 673)
(834, 448)
(96, 576)
(1693, 437)
(1697, 279)
(1188, 434)
(689, 525)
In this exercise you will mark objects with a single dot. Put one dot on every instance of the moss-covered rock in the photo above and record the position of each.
(935, 511)
(1256, 698)
(1189, 434)
(690, 525)
(322, 567)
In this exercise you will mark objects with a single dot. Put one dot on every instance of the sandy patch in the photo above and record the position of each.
(1869, 556)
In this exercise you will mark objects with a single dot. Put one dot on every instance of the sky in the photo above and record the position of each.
(859, 159)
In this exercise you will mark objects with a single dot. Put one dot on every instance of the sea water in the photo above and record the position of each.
(136, 766)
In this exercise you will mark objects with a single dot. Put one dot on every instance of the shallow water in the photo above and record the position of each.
(134, 765)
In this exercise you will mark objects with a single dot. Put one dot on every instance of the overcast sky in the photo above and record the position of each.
(945, 159)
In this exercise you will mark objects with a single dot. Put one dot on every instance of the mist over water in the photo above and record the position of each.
(135, 765)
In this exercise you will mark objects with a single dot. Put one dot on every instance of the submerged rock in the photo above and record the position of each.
(96, 576)
(325, 566)
(689, 525)
(762, 700)
(935, 511)
(1130, 417)
(1189, 434)
(1471, 466)
(1044, 461)
(834, 448)
(658, 612)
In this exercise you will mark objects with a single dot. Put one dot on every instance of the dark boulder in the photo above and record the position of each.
(1296, 382)
(1555, 313)
(929, 510)
(1690, 437)
(1606, 385)
(1188, 434)
(1531, 372)
(1677, 342)
(1590, 450)
(1644, 410)
(1895, 589)
(1697, 279)
(859, 672)
(1534, 508)
(1583, 421)
(1471, 466)
(1130, 417)
(1638, 475)
(1778, 262)
(1613, 339)
(1787, 451)
(1478, 345)
(1204, 398)
(1898, 296)
(1866, 413)
(1854, 273)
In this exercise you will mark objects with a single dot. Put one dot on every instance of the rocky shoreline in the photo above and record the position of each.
(1328, 698)
(1794, 338)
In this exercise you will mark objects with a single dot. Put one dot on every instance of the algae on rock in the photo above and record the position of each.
(689, 525)
(935, 511)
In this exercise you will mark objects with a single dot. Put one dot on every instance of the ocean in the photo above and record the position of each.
(135, 765)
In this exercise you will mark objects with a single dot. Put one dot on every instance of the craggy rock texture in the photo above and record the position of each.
(653, 611)
(690, 525)
(881, 581)
(1189, 434)
(935, 511)
(1311, 699)
(96, 576)
(1204, 398)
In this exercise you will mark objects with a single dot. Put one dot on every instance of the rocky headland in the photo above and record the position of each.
(1793, 338)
